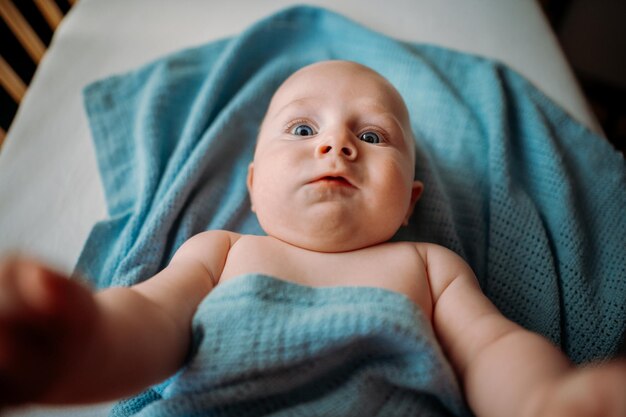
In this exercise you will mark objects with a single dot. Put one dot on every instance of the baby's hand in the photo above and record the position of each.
(44, 319)
(591, 391)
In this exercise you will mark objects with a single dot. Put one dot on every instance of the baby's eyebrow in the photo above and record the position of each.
(302, 104)
(383, 114)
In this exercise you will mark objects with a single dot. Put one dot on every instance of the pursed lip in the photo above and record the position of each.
(333, 179)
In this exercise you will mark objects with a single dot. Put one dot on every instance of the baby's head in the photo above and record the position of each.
(334, 163)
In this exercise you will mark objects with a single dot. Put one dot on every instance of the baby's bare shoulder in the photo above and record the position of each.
(424, 248)
(434, 254)
(210, 236)
(210, 248)
(208, 240)
(443, 266)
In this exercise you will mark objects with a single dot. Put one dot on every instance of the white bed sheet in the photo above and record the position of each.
(50, 192)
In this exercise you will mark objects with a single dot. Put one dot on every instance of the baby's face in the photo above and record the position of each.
(334, 163)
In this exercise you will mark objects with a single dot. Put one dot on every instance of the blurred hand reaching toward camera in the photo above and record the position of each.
(45, 320)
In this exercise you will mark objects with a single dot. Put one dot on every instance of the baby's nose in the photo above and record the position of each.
(339, 144)
(345, 151)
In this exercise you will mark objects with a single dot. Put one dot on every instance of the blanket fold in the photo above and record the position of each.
(529, 197)
(264, 346)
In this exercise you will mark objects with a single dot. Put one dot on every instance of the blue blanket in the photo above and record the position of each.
(532, 200)
(299, 351)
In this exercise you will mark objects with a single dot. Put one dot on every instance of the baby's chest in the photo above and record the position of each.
(393, 266)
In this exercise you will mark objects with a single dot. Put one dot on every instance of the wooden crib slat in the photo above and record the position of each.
(50, 12)
(3, 134)
(11, 82)
(22, 30)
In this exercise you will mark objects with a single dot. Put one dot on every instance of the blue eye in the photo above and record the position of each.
(302, 130)
(370, 137)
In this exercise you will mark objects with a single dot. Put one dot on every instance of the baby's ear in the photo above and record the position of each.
(416, 192)
(249, 180)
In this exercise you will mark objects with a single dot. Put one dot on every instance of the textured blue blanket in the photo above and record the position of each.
(530, 198)
(269, 347)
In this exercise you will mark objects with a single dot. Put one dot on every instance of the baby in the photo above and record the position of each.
(331, 182)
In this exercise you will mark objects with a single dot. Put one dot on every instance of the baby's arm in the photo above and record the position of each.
(506, 370)
(129, 339)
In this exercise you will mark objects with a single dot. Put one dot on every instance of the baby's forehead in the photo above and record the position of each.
(331, 79)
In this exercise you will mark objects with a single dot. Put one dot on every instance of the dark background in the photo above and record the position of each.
(592, 33)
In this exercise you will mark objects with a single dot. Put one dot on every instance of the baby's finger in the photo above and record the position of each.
(41, 313)
(10, 298)
(24, 286)
(39, 286)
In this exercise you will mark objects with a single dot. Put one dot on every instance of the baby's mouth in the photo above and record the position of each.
(333, 180)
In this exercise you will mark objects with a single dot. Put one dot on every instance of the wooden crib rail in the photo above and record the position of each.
(14, 83)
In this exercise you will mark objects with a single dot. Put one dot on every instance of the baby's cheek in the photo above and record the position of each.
(397, 178)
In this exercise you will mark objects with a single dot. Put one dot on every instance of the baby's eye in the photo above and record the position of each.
(370, 137)
(302, 130)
